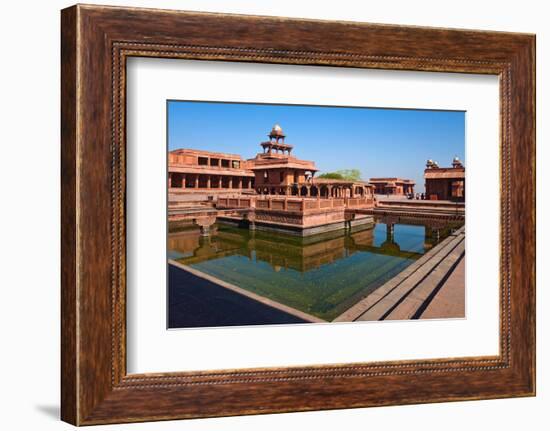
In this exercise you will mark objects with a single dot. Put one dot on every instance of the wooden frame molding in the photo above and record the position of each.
(95, 42)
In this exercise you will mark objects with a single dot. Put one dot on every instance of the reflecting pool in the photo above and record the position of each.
(321, 275)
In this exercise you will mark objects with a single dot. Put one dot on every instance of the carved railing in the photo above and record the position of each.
(277, 203)
(359, 202)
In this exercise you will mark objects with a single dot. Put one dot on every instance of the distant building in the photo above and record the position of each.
(445, 183)
(392, 186)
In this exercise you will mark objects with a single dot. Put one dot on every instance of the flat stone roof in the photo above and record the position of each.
(444, 173)
(391, 180)
(209, 170)
(216, 155)
(281, 162)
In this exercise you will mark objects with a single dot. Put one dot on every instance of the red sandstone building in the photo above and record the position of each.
(445, 183)
(274, 171)
(392, 186)
(200, 171)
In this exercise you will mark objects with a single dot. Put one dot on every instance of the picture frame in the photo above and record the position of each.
(96, 42)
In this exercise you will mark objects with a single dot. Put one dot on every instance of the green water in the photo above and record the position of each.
(322, 276)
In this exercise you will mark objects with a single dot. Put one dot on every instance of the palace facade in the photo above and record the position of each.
(445, 183)
(392, 186)
(274, 171)
(277, 191)
(196, 171)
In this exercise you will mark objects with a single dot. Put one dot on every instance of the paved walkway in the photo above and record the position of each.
(450, 301)
(431, 287)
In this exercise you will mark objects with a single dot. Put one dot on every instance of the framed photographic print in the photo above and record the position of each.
(329, 214)
(287, 244)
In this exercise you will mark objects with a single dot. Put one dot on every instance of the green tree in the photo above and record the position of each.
(344, 174)
(331, 176)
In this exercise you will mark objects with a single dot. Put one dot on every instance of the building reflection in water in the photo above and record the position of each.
(302, 254)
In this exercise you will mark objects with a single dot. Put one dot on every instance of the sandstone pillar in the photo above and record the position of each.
(389, 232)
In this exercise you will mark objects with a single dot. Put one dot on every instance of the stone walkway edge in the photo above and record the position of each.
(382, 303)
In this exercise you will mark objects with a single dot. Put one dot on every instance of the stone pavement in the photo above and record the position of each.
(450, 301)
(432, 287)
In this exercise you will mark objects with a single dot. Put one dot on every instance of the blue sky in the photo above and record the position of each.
(378, 142)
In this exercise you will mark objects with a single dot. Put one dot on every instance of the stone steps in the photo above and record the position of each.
(412, 305)
(397, 298)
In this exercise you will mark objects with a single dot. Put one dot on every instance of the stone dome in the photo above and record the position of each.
(277, 130)
(457, 163)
